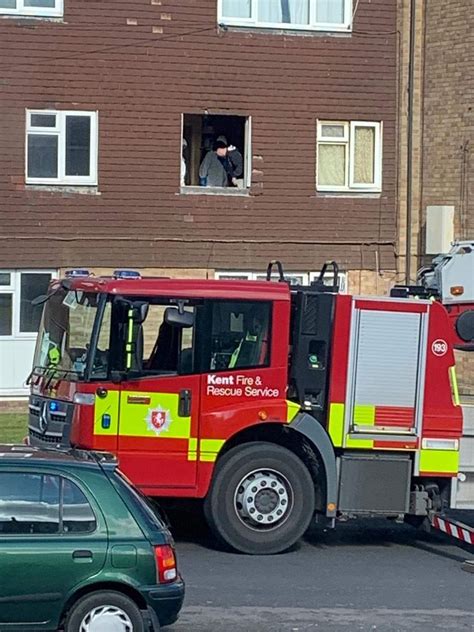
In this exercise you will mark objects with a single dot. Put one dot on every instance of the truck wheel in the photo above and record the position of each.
(104, 611)
(261, 499)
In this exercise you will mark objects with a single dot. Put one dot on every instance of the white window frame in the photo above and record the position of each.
(60, 131)
(15, 289)
(312, 26)
(57, 11)
(307, 277)
(348, 141)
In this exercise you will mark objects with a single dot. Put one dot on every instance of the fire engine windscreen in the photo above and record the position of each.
(64, 339)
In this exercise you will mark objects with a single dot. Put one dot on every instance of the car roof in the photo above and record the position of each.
(183, 288)
(20, 454)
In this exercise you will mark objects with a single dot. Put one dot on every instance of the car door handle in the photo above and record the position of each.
(184, 407)
(82, 554)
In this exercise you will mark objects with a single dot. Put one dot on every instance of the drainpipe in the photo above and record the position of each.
(411, 101)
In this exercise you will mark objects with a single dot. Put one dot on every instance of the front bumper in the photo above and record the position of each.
(164, 601)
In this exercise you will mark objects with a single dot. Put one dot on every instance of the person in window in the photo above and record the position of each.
(218, 169)
(184, 146)
(235, 159)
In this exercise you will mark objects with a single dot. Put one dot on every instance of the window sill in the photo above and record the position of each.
(35, 18)
(343, 31)
(349, 194)
(67, 189)
(214, 191)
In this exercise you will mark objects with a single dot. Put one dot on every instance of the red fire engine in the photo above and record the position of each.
(274, 404)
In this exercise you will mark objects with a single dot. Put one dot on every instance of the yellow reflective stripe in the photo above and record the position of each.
(336, 424)
(128, 346)
(208, 457)
(192, 449)
(211, 445)
(292, 410)
(454, 385)
(364, 415)
(209, 449)
(439, 461)
(362, 443)
(136, 419)
(106, 406)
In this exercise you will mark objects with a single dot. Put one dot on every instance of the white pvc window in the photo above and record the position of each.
(295, 278)
(19, 317)
(33, 8)
(349, 156)
(61, 147)
(318, 15)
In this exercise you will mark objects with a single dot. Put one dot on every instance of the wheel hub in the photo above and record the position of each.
(263, 499)
(106, 619)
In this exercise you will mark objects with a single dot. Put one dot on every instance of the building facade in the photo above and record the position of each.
(109, 108)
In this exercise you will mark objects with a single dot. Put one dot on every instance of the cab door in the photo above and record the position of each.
(159, 404)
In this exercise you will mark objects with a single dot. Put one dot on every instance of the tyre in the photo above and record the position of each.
(104, 611)
(261, 499)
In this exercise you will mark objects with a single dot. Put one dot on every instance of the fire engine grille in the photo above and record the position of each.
(49, 421)
(40, 440)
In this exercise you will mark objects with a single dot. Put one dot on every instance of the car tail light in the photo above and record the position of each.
(166, 570)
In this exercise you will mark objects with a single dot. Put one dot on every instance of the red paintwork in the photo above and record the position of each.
(408, 444)
(340, 349)
(392, 305)
(440, 416)
(183, 288)
(454, 311)
(394, 416)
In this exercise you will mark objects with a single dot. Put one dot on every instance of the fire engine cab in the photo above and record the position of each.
(275, 404)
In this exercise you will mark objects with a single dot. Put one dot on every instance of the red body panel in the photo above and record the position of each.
(440, 416)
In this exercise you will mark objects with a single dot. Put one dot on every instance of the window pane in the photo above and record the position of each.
(42, 156)
(332, 165)
(43, 4)
(78, 140)
(330, 11)
(7, 4)
(163, 347)
(100, 366)
(6, 302)
(240, 334)
(332, 131)
(5, 278)
(78, 516)
(364, 155)
(236, 8)
(283, 11)
(32, 286)
(29, 503)
(43, 120)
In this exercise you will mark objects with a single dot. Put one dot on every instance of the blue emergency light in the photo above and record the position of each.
(53, 406)
(126, 274)
(78, 272)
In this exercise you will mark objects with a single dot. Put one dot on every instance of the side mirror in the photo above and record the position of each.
(176, 318)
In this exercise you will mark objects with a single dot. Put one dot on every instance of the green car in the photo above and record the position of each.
(80, 549)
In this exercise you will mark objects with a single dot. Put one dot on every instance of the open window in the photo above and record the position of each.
(215, 153)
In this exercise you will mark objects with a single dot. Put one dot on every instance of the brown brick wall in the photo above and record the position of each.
(110, 55)
(448, 133)
(448, 128)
